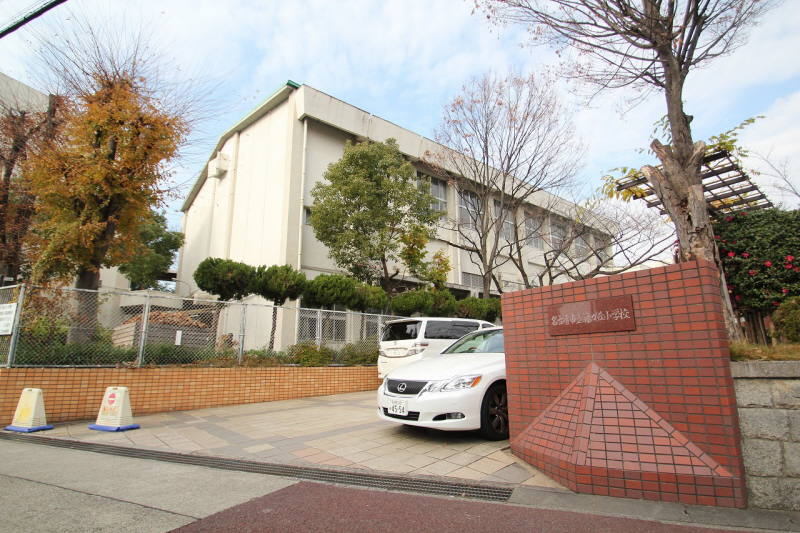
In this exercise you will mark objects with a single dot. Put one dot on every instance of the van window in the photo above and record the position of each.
(401, 331)
(448, 330)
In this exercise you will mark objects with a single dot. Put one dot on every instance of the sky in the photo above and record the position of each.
(402, 60)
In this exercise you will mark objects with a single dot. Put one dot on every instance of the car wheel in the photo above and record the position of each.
(494, 413)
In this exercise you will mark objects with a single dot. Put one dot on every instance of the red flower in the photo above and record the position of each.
(797, 269)
(728, 219)
(789, 258)
(731, 254)
(768, 263)
(752, 272)
(738, 297)
(785, 290)
(744, 213)
(730, 287)
(716, 236)
(787, 265)
(775, 303)
(745, 255)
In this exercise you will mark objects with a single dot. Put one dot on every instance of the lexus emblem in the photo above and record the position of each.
(401, 387)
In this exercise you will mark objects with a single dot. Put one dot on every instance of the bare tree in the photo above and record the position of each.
(777, 174)
(503, 139)
(649, 45)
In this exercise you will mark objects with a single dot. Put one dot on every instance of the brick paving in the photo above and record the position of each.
(341, 430)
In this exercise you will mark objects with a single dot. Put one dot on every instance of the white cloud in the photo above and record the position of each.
(402, 60)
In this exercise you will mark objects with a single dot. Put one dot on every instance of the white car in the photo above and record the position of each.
(411, 339)
(463, 388)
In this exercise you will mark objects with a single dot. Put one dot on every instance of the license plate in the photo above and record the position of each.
(399, 408)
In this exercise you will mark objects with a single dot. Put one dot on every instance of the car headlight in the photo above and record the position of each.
(457, 383)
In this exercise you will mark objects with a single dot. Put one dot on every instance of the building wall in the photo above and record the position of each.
(284, 146)
(76, 393)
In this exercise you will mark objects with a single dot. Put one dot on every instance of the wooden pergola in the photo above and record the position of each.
(726, 186)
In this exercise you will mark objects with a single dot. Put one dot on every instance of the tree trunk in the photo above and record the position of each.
(680, 187)
(84, 322)
(274, 329)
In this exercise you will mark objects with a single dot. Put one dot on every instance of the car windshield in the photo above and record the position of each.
(484, 341)
(401, 331)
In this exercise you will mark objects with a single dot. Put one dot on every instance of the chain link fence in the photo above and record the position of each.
(73, 327)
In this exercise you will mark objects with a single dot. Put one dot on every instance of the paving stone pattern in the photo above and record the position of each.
(341, 431)
(672, 372)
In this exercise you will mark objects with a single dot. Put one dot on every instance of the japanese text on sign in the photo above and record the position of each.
(592, 316)
(7, 313)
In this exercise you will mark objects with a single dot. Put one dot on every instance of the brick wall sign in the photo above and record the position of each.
(622, 386)
(593, 316)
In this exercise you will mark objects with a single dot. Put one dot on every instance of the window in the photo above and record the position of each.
(601, 243)
(402, 331)
(581, 248)
(558, 232)
(308, 216)
(474, 281)
(507, 229)
(448, 330)
(438, 190)
(468, 209)
(533, 231)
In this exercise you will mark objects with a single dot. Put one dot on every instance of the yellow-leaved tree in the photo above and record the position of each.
(107, 171)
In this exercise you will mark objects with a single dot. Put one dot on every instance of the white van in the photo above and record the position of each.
(412, 339)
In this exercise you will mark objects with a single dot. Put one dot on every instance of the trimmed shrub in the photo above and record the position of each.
(410, 302)
(359, 354)
(309, 354)
(443, 303)
(472, 307)
(787, 320)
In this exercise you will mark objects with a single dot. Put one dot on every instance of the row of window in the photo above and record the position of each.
(469, 210)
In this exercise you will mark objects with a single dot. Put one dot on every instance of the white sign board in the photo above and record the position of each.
(7, 312)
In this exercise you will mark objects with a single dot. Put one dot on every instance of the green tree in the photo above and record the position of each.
(369, 199)
(370, 297)
(160, 245)
(277, 283)
(758, 250)
(443, 303)
(230, 280)
(413, 255)
(410, 302)
(328, 290)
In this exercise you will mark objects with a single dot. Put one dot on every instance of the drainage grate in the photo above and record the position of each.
(496, 493)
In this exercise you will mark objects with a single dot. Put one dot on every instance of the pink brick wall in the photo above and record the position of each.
(649, 413)
(76, 393)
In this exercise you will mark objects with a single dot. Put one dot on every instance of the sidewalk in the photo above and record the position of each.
(337, 436)
(341, 430)
(48, 488)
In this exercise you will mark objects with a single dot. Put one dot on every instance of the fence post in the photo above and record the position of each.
(319, 328)
(241, 334)
(12, 347)
(143, 330)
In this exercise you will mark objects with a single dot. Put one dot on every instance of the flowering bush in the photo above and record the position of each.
(758, 252)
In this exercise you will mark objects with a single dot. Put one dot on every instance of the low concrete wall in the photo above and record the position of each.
(768, 395)
(76, 393)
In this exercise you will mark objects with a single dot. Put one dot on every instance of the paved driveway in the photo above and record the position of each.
(341, 430)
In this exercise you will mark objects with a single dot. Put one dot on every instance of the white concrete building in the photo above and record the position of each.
(250, 203)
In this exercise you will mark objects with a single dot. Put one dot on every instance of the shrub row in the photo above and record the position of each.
(102, 353)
